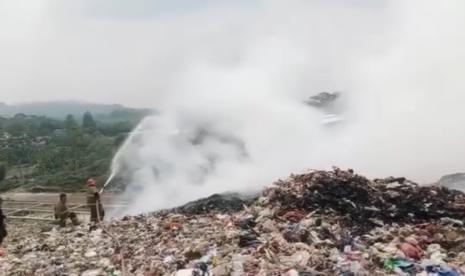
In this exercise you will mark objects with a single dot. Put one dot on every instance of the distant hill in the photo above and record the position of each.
(59, 110)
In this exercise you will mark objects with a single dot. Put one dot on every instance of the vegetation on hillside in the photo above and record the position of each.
(59, 110)
(39, 153)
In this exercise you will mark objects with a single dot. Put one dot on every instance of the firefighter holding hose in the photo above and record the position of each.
(94, 202)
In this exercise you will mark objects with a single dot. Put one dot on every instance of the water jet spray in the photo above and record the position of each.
(114, 168)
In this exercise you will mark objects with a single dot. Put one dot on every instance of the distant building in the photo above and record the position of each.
(40, 140)
(20, 116)
(5, 136)
(59, 132)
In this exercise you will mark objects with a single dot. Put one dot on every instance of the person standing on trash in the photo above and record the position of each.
(3, 232)
(94, 202)
(62, 213)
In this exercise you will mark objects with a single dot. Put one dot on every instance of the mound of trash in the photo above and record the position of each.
(318, 223)
(226, 202)
(322, 99)
(363, 203)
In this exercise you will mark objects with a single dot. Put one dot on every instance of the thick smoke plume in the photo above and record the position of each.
(232, 115)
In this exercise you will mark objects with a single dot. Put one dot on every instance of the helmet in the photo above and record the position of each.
(91, 182)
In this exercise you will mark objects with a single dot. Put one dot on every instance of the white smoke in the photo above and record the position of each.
(233, 118)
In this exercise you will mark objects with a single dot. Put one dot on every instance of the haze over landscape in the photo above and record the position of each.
(241, 70)
(232, 137)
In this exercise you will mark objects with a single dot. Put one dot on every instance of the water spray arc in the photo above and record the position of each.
(115, 163)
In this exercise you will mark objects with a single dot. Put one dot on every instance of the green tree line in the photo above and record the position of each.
(40, 152)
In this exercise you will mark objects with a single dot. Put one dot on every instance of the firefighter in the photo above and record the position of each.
(62, 213)
(3, 232)
(93, 201)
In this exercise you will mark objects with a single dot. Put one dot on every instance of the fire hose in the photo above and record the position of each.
(108, 232)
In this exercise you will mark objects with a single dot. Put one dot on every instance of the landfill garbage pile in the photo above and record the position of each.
(283, 232)
(322, 99)
(364, 203)
(330, 105)
(226, 202)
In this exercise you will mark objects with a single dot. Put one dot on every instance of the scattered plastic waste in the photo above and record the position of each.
(319, 223)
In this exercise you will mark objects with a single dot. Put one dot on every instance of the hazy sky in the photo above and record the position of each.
(106, 50)
(242, 69)
(131, 51)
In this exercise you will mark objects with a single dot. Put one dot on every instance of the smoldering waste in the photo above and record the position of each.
(317, 223)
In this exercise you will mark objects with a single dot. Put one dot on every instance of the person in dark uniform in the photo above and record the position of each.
(62, 213)
(3, 232)
(93, 201)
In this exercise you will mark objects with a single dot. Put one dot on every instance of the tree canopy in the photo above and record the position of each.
(40, 151)
(88, 122)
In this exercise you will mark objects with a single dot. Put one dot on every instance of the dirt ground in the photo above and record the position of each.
(41, 205)
(74, 198)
